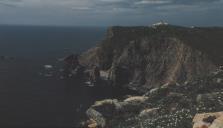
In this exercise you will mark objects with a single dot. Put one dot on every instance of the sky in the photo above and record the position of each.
(111, 12)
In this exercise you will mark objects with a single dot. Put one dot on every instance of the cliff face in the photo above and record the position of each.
(144, 57)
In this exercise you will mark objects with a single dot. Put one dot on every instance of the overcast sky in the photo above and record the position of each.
(111, 12)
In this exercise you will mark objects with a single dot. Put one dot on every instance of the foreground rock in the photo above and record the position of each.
(208, 120)
(108, 111)
(169, 106)
(89, 124)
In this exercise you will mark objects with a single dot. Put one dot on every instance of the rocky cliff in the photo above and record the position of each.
(142, 58)
(175, 69)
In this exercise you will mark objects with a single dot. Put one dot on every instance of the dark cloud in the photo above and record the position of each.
(10, 3)
(139, 5)
(93, 12)
(195, 1)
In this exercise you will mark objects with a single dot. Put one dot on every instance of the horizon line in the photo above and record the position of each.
(104, 26)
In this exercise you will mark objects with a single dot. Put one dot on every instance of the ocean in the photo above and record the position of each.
(31, 99)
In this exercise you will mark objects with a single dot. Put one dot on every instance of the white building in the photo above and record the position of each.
(161, 23)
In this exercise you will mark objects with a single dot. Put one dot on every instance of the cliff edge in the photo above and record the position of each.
(142, 58)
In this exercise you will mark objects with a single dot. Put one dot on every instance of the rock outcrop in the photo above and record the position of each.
(168, 106)
(94, 75)
(142, 58)
(72, 67)
(108, 111)
(89, 74)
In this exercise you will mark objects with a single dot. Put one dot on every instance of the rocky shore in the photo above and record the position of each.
(173, 69)
(168, 106)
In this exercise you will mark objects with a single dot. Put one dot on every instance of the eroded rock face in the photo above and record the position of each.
(142, 58)
(208, 120)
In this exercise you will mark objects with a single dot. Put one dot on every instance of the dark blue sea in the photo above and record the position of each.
(29, 99)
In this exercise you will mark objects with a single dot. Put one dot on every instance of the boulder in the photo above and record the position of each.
(97, 117)
(208, 120)
(105, 111)
(157, 93)
(88, 124)
(138, 99)
(149, 112)
(102, 111)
